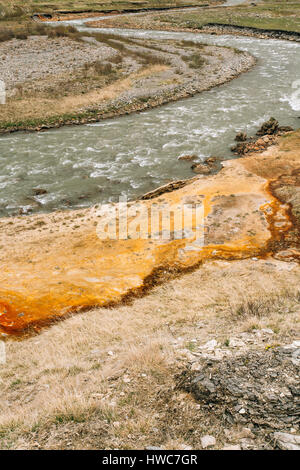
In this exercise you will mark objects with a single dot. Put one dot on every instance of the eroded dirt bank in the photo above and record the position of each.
(56, 264)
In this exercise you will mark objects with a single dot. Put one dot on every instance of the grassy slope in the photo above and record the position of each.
(105, 379)
(272, 14)
(10, 8)
(267, 14)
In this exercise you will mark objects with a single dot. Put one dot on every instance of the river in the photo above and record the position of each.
(82, 165)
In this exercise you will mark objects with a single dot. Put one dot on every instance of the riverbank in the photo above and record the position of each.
(16, 10)
(248, 200)
(106, 378)
(102, 76)
(262, 20)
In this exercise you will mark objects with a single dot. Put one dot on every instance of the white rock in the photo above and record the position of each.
(247, 433)
(95, 351)
(184, 447)
(210, 345)
(208, 441)
(196, 366)
(268, 331)
(287, 441)
(187, 354)
(221, 353)
(232, 447)
(236, 343)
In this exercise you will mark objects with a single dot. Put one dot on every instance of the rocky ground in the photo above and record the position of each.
(251, 382)
(62, 81)
(205, 360)
(40, 57)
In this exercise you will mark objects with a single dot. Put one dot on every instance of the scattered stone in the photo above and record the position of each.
(39, 191)
(153, 448)
(284, 129)
(247, 433)
(187, 157)
(236, 343)
(251, 388)
(201, 168)
(287, 255)
(287, 441)
(241, 137)
(195, 366)
(184, 447)
(210, 345)
(269, 127)
(96, 351)
(267, 331)
(211, 160)
(208, 441)
(247, 444)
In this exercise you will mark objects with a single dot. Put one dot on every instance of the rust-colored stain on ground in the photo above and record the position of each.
(55, 264)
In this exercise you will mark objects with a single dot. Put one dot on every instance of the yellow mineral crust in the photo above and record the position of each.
(55, 264)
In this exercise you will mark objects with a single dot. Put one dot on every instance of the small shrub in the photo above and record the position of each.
(116, 59)
(102, 69)
(195, 61)
(264, 306)
(6, 35)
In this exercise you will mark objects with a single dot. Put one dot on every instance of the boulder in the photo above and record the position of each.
(241, 137)
(208, 441)
(201, 168)
(187, 157)
(39, 191)
(269, 127)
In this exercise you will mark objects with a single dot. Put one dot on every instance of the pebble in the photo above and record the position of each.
(235, 343)
(40, 55)
(207, 441)
(210, 345)
(232, 447)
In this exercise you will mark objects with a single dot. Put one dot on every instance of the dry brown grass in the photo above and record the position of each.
(104, 378)
(36, 106)
(24, 30)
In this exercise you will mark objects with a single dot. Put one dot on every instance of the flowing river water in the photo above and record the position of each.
(82, 165)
